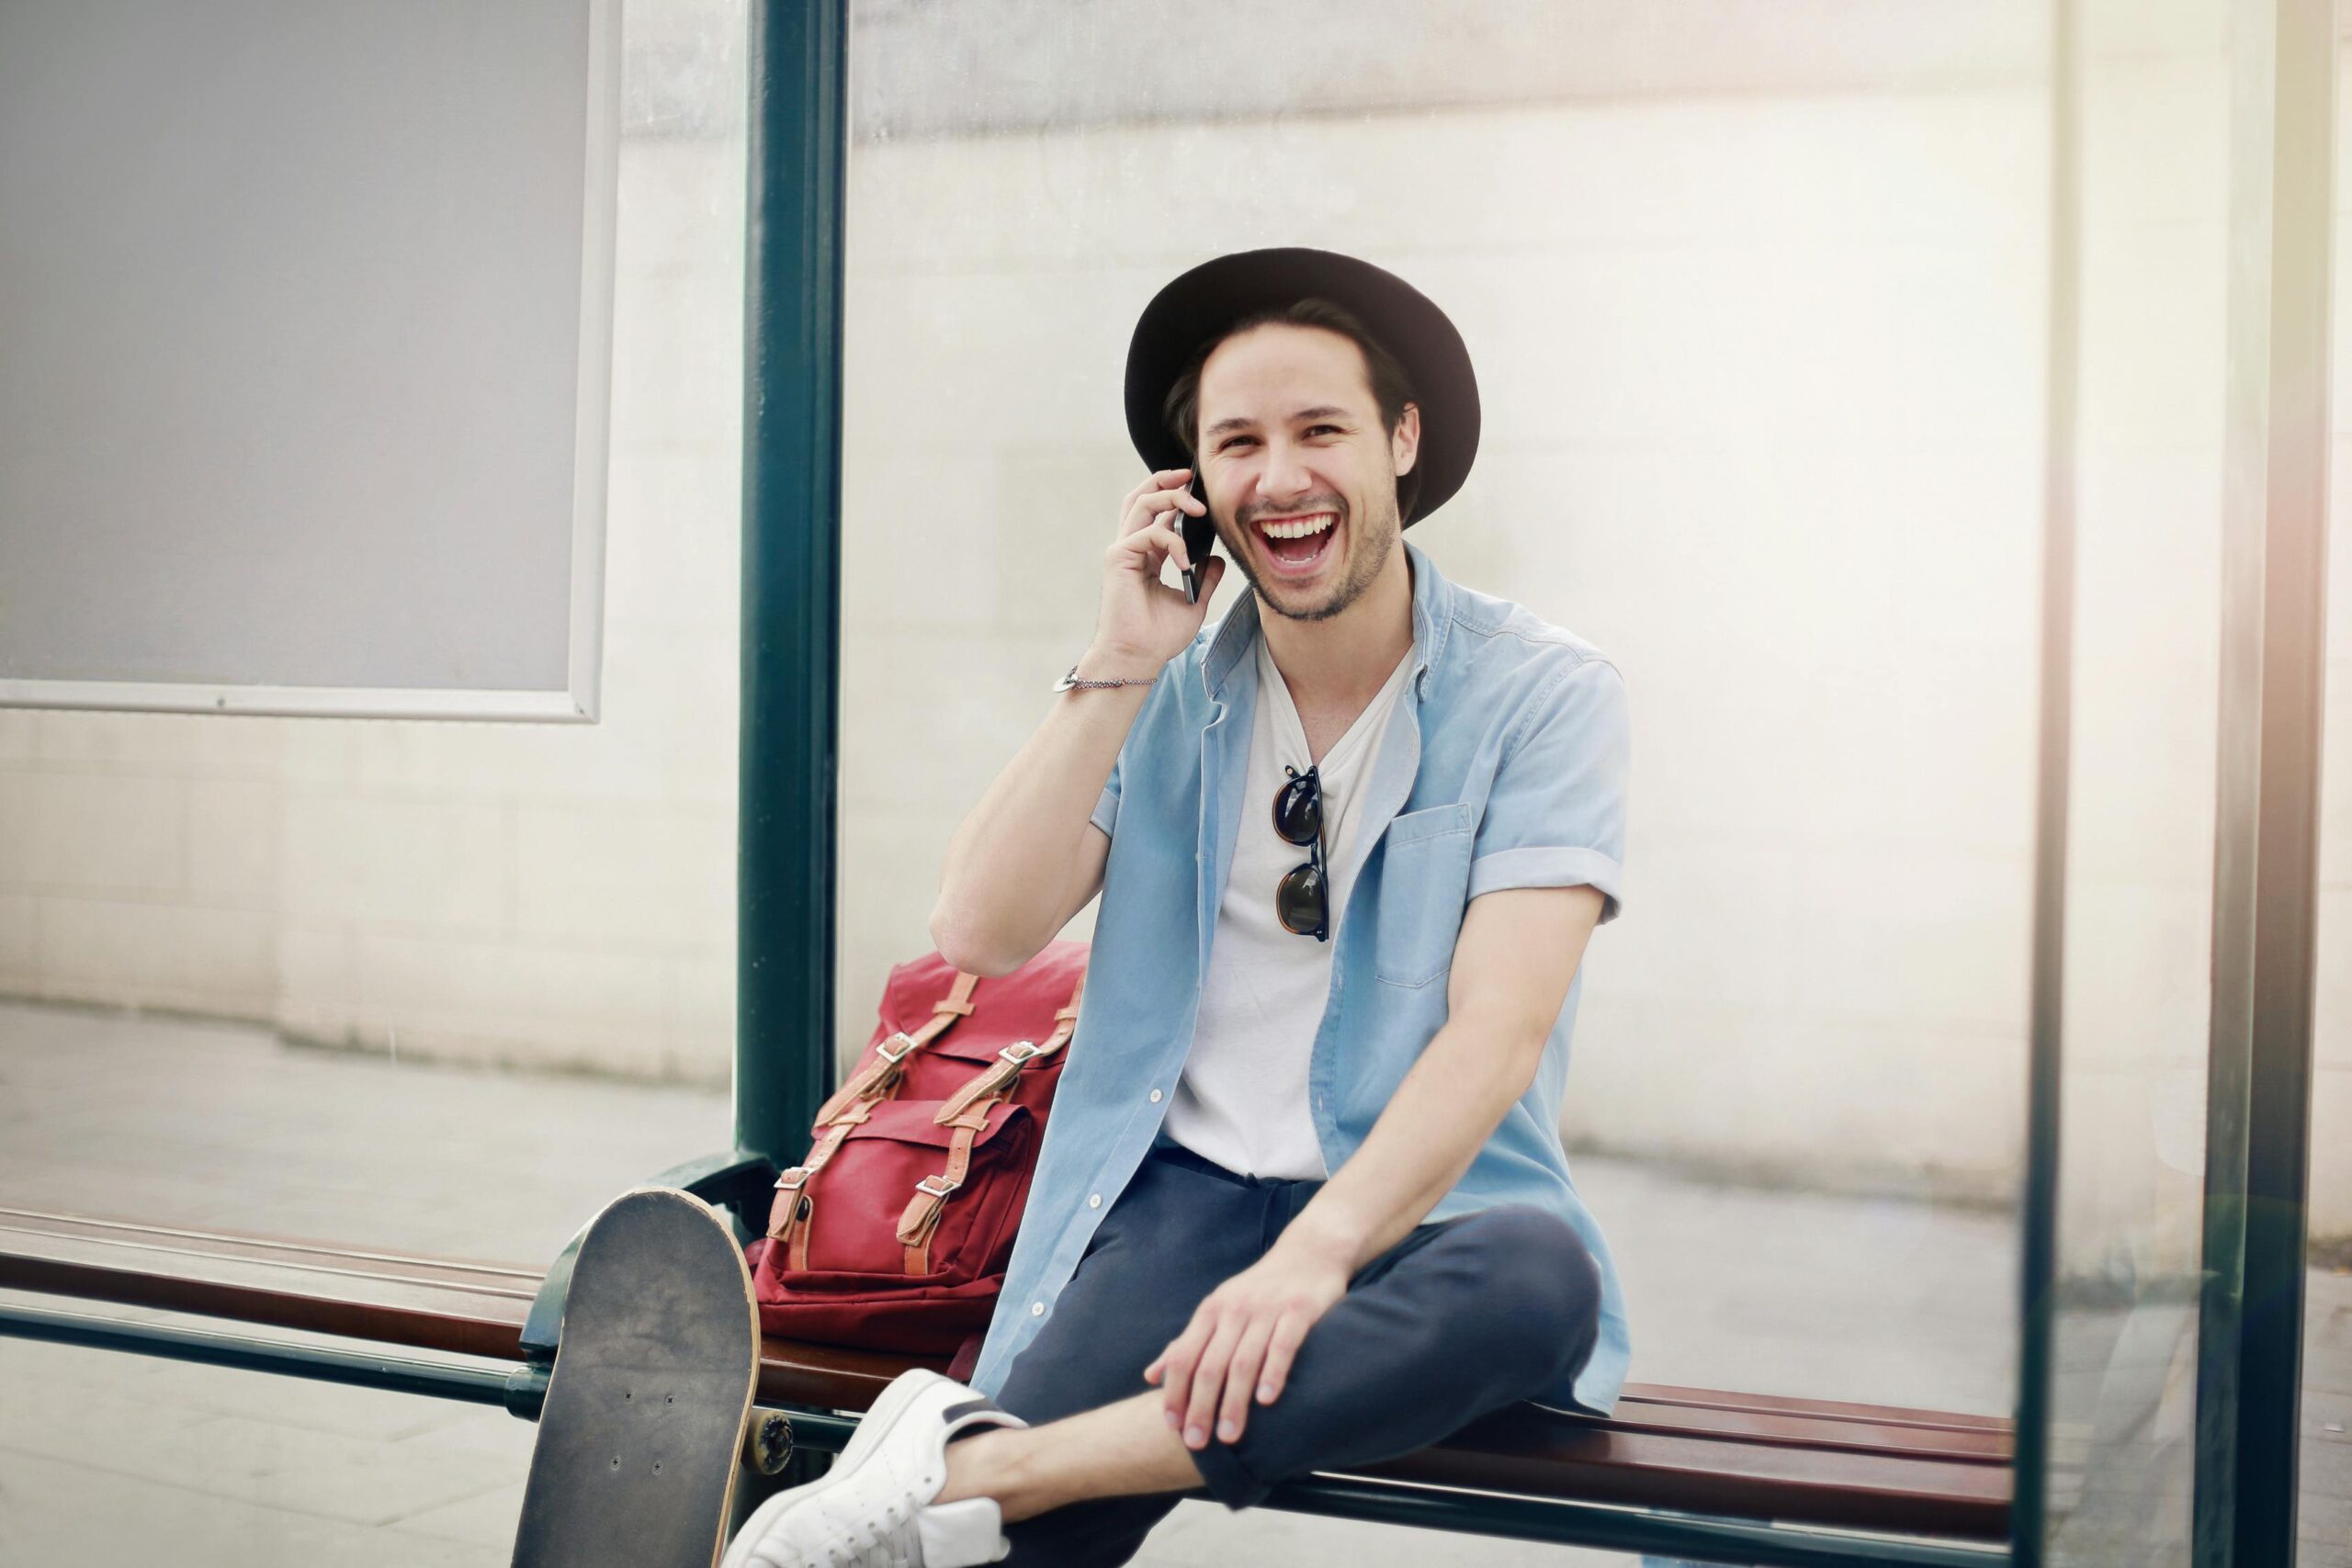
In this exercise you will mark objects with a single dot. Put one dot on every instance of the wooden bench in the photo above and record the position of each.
(1764, 1459)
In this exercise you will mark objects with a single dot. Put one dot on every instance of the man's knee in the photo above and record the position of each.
(1542, 1307)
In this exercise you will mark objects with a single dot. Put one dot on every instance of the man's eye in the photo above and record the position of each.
(1233, 441)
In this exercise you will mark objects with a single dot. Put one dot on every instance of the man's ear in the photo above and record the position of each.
(1404, 444)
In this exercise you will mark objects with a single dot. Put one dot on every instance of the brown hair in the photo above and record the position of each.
(1390, 388)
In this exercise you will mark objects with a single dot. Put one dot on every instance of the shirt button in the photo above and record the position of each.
(1155, 1097)
(1036, 1309)
(1095, 1201)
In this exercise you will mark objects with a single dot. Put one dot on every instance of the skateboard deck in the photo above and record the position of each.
(634, 1464)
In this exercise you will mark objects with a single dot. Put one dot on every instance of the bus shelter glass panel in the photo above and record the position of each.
(391, 986)
(430, 987)
(1758, 319)
(2324, 1517)
(2153, 104)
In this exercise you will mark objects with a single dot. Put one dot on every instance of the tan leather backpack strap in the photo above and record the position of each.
(878, 1078)
(795, 1204)
(995, 1080)
(921, 1216)
(793, 1215)
(991, 1083)
(968, 1111)
(1066, 1021)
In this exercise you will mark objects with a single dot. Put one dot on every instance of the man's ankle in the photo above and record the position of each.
(984, 1463)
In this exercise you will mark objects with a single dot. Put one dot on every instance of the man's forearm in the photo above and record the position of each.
(1002, 885)
(1021, 865)
(1433, 1126)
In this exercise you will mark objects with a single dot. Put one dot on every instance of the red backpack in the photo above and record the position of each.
(895, 1231)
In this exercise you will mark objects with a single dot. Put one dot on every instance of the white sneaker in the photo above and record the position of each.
(874, 1508)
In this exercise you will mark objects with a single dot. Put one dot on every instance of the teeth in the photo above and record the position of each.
(1298, 529)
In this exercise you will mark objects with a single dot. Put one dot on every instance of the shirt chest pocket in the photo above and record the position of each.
(1425, 875)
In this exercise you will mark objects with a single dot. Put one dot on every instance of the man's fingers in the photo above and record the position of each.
(1148, 546)
(1157, 478)
(1282, 1348)
(1154, 535)
(1233, 1413)
(1153, 544)
(1147, 504)
(1208, 1380)
(1175, 1365)
(1169, 504)
(1176, 548)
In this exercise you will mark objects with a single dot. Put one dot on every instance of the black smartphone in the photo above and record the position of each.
(1199, 539)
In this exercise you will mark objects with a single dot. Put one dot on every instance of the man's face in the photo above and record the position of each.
(1300, 476)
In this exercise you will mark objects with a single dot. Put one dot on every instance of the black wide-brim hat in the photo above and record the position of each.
(1201, 303)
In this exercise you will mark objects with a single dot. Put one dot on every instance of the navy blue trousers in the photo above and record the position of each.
(1459, 1318)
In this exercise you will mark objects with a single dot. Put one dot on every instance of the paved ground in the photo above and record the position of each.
(107, 1459)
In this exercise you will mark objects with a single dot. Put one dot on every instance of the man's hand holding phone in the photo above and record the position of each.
(1144, 622)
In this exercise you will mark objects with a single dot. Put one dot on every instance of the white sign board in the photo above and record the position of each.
(305, 316)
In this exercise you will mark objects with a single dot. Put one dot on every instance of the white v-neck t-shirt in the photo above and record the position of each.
(1242, 1099)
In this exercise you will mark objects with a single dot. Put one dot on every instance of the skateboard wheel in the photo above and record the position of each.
(767, 1442)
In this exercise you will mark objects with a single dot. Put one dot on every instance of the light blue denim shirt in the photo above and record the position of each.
(1504, 766)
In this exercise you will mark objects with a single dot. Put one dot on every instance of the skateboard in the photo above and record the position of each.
(634, 1464)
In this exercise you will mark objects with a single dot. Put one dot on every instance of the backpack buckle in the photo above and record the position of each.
(904, 1042)
(1018, 1052)
(936, 1185)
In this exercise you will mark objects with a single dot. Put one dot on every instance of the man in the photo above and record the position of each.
(1302, 1203)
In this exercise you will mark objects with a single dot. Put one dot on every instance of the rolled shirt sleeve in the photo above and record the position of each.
(1106, 809)
(1555, 817)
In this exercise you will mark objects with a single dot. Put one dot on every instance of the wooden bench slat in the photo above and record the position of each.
(1768, 1456)
(1522, 1451)
(421, 1302)
(831, 1377)
(1775, 1404)
(1787, 1476)
(844, 1378)
(41, 1222)
(130, 1252)
(1800, 1429)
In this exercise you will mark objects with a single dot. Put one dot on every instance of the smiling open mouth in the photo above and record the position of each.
(1298, 542)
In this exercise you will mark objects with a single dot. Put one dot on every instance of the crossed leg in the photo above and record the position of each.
(1458, 1319)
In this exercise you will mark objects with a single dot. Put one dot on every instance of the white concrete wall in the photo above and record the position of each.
(1763, 381)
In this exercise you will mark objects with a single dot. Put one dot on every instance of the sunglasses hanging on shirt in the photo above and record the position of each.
(1299, 900)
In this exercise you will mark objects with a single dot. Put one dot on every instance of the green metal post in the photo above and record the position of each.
(792, 351)
(2274, 579)
(2039, 1227)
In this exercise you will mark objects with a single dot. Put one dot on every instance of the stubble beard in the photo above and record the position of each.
(1367, 555)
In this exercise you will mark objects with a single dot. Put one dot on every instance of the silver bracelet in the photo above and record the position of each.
(1071, 683)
